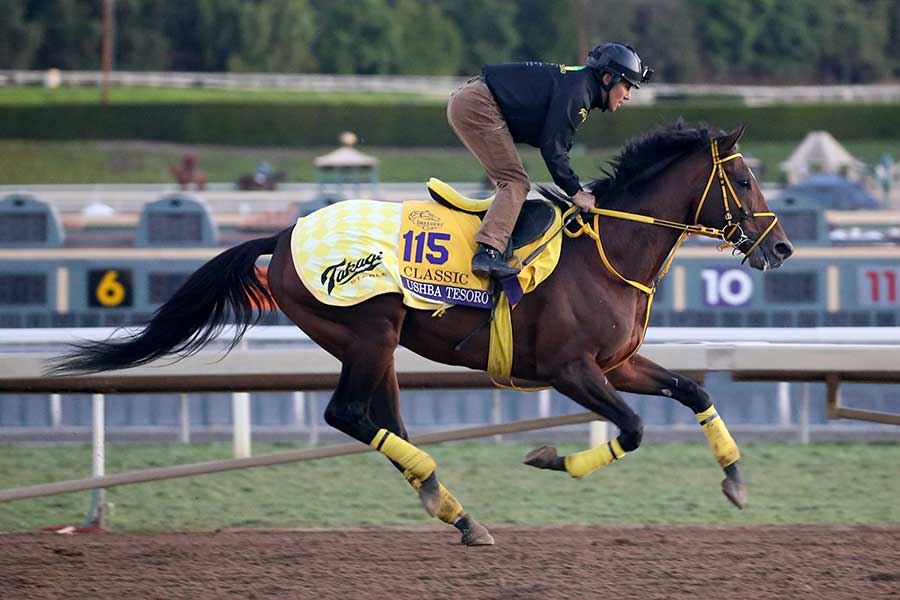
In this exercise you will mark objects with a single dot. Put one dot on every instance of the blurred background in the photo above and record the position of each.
(139, 138)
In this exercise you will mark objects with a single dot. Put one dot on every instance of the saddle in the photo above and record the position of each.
(534, 220)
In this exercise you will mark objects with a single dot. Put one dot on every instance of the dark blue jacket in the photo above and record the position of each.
(544, 103)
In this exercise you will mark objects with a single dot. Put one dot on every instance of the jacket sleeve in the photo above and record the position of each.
(563, 118)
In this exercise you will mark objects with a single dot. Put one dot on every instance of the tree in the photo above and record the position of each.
(854, 35)
(355, 37)
(141, 42)
(547, 31)
(218, 31)
(785, 46)
(892, 47)
(73, 33)
(430, 43)
(664, 38)
(726, 30)
(203, 33)
(488, 31)
(19, 38)
(275, 36)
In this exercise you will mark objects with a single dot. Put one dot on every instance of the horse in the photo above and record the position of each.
(578, 332)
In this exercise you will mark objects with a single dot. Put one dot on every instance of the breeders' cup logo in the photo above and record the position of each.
(345, 270)
(425, 219)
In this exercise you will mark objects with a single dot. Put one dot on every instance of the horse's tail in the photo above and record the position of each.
(226, 286)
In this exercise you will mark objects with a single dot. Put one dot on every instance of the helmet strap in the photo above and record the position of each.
(613, 80)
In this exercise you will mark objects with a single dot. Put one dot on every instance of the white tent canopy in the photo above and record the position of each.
(819, 152)
(345, 157)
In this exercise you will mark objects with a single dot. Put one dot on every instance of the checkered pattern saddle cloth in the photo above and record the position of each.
(354, 250)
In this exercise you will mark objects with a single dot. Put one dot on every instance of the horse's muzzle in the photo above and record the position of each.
(770, 255)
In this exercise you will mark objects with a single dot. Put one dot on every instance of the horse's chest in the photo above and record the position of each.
(612, 334)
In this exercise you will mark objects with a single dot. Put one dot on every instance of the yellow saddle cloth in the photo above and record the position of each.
(357, 249)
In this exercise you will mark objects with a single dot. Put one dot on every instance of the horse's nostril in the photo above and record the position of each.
(783, 250)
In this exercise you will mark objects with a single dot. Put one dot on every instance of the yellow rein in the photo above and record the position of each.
(723, 234)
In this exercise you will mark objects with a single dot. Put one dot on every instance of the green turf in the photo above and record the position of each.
(24, 162)
(85, 162)
(661, 483)
(40, 96)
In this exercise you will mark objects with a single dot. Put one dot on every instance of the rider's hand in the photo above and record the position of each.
(584, 200)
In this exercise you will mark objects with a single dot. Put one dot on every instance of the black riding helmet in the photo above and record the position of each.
(621, 61)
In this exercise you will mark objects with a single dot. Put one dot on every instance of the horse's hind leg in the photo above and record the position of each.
(364, 338)
(364, 363)
(584, 382)
(642, 376)
(384, 411)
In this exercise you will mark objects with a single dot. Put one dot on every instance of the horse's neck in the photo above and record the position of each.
(639, 250)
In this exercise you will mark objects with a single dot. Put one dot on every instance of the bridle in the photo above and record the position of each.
(726, 233)
(732, 226)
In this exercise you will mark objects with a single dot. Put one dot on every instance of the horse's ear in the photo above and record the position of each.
(730, 139)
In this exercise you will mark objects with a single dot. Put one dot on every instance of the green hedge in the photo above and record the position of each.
(402, 126)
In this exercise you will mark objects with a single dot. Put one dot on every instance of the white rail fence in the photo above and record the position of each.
(752, 95)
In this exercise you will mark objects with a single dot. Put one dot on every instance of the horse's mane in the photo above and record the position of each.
(643, 158)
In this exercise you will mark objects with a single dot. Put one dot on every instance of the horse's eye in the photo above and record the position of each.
(744, 183)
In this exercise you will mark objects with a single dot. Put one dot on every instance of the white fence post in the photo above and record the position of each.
(313, 418)
(544, 403)
(496, 413)
(97, 513)
(240, 402)
(55, 411)
(804, 415)
(299, 406)
(784, 404)
(599, 433)
(184, 414)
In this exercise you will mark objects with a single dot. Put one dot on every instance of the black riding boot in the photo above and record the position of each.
(488, 262)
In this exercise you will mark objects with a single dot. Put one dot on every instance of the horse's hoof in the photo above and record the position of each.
(430, 494)
(542, 458)
(735, 491)
(733, 485)
(474, 533)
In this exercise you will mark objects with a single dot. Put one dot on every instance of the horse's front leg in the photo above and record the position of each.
(584, 382)
(642, 376)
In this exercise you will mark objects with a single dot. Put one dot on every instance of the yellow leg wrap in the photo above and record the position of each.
(720, 441)
(450, 509)
(586, 462)
(416, 462)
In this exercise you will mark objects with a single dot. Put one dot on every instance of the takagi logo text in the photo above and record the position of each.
(346, 270)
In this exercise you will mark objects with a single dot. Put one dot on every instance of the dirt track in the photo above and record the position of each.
(549, 562)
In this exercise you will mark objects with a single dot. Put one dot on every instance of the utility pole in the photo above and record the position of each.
(107, 46)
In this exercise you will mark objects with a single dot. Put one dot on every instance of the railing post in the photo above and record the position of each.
(240, 402)
(299, 406)
(544, 403)
(804, 415)
(184, 414)
(599, 433)
(313, 418)
(55, 411)
(496, 413)
(97, 513)
(784, 404)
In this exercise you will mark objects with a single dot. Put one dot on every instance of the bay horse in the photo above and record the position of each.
(577, 332)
